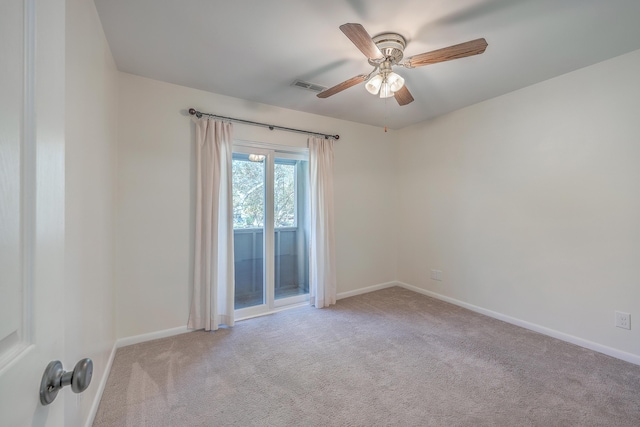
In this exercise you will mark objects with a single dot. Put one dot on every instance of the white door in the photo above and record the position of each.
(31, 207)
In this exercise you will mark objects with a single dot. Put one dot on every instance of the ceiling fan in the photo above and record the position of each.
(386, 51)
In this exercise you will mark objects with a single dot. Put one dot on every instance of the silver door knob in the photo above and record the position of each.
(54, 378)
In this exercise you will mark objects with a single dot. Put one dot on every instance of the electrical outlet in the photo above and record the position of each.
(436, 275)
(623, 320)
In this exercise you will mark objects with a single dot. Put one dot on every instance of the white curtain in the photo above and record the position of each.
(213, 278)
(322, 263)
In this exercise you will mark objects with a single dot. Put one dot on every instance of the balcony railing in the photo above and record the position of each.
(291, 266)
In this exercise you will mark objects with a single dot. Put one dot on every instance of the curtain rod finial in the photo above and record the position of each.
(194, 112)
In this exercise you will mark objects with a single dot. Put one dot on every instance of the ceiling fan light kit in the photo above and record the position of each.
(386, 82)
(386, 50)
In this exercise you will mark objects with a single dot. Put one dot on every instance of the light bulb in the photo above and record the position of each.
(395, 81)
(373, 85)
(256, 157)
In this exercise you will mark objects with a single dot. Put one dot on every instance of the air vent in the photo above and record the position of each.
(308, 86)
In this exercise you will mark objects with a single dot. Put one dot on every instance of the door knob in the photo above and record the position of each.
(54, 378)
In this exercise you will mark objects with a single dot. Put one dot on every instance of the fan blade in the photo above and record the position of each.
(403, 96)
(342, 86)
(359, 37)
(462, 50)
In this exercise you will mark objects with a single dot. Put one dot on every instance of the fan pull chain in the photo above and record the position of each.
(385, 114)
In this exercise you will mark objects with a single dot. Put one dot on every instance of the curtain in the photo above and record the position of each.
(212, 302)
(322, 264)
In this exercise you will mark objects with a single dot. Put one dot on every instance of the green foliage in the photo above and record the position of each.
(284, 195)
(248, 194)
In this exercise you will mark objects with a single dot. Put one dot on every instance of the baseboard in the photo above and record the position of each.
(366, 290)
(136, 339)
(103, 383)
(609, 351)
(619, 354)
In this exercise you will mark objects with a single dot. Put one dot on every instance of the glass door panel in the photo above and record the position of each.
(291, 260)
(248, 229)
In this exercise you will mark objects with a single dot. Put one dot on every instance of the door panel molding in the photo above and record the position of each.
(17, 179)
(35, 129)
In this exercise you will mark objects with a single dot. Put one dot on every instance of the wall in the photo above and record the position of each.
(91, 140)
(156, 196)
(529, 203)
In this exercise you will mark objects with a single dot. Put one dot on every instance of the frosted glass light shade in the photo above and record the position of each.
(373, 85)
(395, 81)
(385, 90)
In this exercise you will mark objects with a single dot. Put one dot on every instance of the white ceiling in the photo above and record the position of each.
(255, 49)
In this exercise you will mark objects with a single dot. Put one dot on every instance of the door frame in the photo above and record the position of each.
(271, 152)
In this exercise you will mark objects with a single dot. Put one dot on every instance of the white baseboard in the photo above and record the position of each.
(609, 351)
(366, 290)
(136, 339)
(123, 342)
(101, 386)
(619, 354)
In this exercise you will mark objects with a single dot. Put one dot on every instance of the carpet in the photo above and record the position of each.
(387, 358)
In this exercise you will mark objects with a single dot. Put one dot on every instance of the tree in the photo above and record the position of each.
(248, 194)
(284, 195)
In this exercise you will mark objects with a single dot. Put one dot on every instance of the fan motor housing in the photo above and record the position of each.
(391, 45)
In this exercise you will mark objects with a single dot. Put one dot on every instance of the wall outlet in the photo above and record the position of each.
(436, 275)
(623, 320)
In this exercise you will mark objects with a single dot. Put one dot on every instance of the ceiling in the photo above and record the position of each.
(255, 49)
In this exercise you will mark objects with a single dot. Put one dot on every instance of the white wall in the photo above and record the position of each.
(530, 203)
(91, 141)
(156, 196)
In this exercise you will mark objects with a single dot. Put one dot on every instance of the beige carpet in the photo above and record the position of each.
(387, 358)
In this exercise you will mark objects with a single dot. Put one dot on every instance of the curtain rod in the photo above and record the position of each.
(199, 114)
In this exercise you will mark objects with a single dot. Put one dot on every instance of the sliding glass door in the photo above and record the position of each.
(270, 208)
